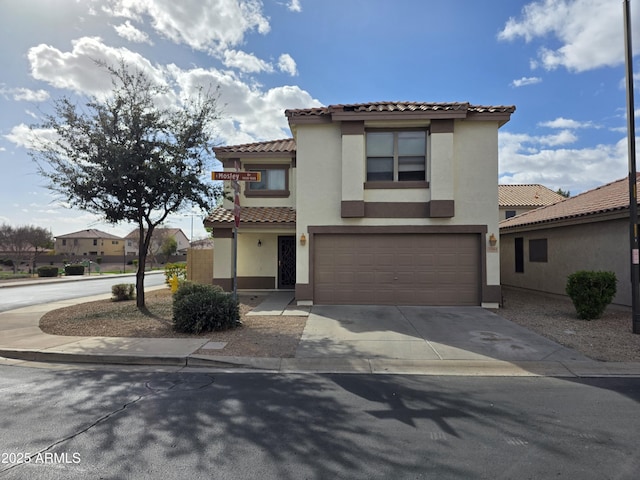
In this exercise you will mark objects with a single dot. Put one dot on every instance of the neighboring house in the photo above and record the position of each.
(157, 239)
(376, 203)
(589, 231)
(516, 199)
(89, 242)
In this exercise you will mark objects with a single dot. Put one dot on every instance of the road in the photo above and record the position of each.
(23, 296)
(114, 424)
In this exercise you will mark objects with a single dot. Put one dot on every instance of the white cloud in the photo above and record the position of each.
(294, 6)
(564, 137)
(28, 95)
(245, 62)
(287, 64)
(248, 113)
(590, 32)
(206, 25)
(562, 122)
(129, 32)
(77, 70)
(23, 136)
(524, 81)
(527, 159)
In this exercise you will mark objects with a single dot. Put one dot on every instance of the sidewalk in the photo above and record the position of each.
(22, 342)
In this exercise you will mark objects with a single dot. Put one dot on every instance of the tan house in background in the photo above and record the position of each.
(375, 203)
(516, 199)
(589, 231)
(90, 242)
(158, 238)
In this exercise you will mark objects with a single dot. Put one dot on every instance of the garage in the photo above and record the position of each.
(397, 269)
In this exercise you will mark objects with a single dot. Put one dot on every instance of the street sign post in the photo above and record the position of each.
(235, 178)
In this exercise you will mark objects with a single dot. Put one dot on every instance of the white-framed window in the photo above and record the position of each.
(396, 156)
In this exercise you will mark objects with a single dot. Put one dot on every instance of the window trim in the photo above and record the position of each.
(268, 193)
(398, 184)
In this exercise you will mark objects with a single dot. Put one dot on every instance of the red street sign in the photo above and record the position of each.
(237, 176)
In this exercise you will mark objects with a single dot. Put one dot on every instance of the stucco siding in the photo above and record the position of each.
(591, 246)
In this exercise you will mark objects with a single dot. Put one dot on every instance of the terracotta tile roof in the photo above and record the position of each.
(90, 233)
(399, 107)
(607, 198)
(531, 195)
(257, 215)
(286, 145)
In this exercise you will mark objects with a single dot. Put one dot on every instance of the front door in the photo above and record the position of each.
(287, 262)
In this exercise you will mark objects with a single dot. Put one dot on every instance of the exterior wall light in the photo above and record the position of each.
(492, 240)
(303, 239)
(259, 242)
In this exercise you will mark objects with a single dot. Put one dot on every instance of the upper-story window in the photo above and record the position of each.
(396, 156)
(274, 181)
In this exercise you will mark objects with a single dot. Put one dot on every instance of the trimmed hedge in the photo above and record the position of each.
(47, 271)
(76, 269)
(203, 308)
(123, 291)
(591, 292)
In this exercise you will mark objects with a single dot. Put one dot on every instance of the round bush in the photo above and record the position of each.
(591, 292)
(204, 308)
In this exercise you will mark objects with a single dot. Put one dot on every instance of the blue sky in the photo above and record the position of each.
(560, 62)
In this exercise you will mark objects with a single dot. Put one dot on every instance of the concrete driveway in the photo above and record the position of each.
(423, 333)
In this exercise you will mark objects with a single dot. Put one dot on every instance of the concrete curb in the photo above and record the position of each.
(374, 366)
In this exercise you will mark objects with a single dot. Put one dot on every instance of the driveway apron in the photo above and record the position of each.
(423, 333)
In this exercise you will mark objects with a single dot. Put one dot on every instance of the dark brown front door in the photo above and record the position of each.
(287, 262)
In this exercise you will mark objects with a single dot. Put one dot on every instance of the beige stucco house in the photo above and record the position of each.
(376, 203)
(590, 231)
(90, 242)
(158, 238)
(519, 198)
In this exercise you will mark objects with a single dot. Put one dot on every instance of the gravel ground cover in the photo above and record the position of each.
(607, 339)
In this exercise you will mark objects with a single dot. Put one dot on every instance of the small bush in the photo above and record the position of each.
(122, 292)
(77, 269)
(47, 271)
(201, 308)
(177, 269)
(591, 292)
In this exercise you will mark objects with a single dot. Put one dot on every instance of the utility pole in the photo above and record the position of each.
(633, 191)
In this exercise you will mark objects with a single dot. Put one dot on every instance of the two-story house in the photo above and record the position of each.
(90, 242)
(376, 203)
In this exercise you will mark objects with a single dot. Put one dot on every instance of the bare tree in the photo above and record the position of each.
(24, 243)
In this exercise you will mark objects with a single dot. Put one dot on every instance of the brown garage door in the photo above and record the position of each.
(397, 269)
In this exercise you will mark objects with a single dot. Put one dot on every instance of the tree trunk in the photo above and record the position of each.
(142, 259)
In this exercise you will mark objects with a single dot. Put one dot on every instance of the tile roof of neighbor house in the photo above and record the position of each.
(285, 145)
(90, 233)
(463, 107)
(253, 215)
(532, 195)
(606, 198)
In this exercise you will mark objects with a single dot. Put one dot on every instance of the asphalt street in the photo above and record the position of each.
(117, 424)
(51, 291)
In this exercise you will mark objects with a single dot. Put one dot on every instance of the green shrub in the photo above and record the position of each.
(74, 269)
(47, 271)
(203, 308)
(99, 260)
(123, 291)
(177, 269)
(591, 292)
